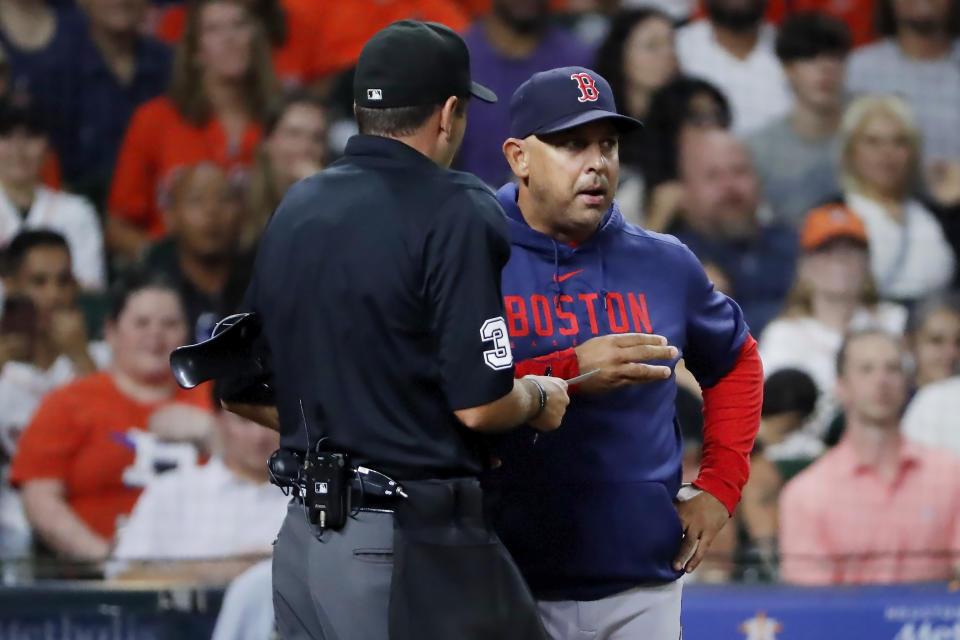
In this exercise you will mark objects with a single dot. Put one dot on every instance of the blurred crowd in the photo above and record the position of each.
(808, 152)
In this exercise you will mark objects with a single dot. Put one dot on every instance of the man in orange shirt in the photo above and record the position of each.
(87, 453)
(877, 508)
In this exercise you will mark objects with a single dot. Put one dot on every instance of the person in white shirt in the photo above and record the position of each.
(43, 345)
(919, 59)
(796, 154)
(879, 170)
(933, 416)
(247, 609)
(26, 204)
(206, 522)
(934, 339)
(734, 49)
(833, 293)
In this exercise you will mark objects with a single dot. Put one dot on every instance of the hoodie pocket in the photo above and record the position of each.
(587, 536)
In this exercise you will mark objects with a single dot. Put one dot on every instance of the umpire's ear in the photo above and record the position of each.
(516, 155)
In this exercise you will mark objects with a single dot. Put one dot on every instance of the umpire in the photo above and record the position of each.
(378, 286)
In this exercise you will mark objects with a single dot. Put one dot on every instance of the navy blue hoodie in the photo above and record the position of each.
(587, 510)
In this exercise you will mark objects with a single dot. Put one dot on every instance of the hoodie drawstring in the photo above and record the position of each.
(556, 275)
(603, 280)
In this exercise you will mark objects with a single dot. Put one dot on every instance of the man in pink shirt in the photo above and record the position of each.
(876, 508)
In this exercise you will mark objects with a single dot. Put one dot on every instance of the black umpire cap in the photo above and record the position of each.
(411, 63)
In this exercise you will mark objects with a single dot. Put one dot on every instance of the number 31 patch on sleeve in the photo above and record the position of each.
(500, 357)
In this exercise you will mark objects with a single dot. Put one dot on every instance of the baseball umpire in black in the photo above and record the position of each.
(377, 285)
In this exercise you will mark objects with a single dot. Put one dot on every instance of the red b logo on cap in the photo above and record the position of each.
(588, 89)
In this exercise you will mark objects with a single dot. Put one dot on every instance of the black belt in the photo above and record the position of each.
(361, 499)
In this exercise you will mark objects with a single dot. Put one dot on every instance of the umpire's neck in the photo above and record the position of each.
(438, 136)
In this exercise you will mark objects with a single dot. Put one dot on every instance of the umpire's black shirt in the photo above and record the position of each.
(378, 281)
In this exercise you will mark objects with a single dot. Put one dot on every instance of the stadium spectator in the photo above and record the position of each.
(26, 203)
(507, 46)
(43, 345)
(87, 452)
(789, 401)
(201, 256)
(919, 59)
(931, 416)
(209, 522)
(344, 27)
(796, 154)
(294, 146)
(857, 14)
(734, 49)
(111, 72)
(682, 105)
(678, 10)
(247, 609)
(37, 38)
(879, 168)
(934, 338)
(833, 293)
(756, 521)
(876, 508)
(637, 58)
(720, 223)
(291, 29)
(221, 83)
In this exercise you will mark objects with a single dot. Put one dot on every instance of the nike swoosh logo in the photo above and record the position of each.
(566, 276)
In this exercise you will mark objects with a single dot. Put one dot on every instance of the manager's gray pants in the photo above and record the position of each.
(642, 613)
(338, 589)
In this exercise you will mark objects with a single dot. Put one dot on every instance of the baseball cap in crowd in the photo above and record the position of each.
(829, 222)
(561, 99)
(411, 63)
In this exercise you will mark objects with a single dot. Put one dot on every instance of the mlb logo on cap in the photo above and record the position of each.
(374, 94)
(561, 99)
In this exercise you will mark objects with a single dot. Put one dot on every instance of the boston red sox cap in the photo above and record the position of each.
(411, 63)
(561, 99)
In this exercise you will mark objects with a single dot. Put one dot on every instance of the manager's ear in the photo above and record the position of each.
(515, 152)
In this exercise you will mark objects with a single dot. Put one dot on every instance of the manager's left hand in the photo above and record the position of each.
(702, 516)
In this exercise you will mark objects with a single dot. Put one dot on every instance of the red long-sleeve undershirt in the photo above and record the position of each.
(731, 417)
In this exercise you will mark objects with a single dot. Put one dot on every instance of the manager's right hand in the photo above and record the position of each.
(622, 359)
(557, 400)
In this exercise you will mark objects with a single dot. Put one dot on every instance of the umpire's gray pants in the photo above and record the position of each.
(338, 589)
(642, 613)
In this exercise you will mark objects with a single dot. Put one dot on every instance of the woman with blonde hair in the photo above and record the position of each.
(833, 293)
(880, 174)
(221, 83)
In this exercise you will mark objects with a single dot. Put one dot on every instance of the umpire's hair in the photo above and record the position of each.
(25, 242)
(810, 34)
(134, 281)
(395, 122)
(852, 336)
(789, 390)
